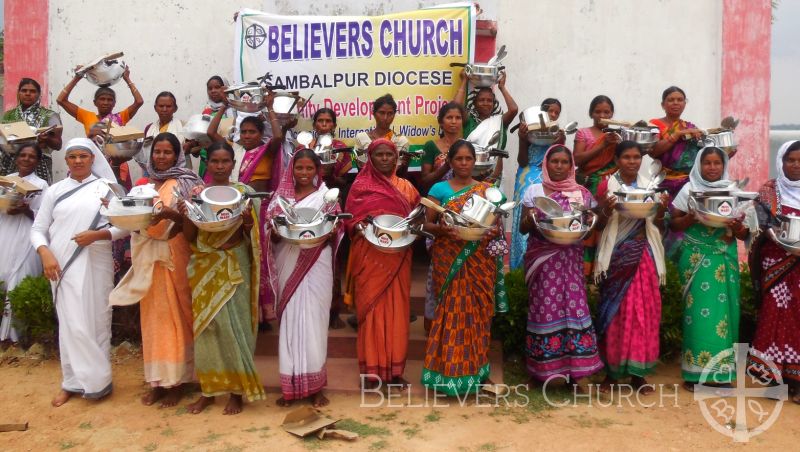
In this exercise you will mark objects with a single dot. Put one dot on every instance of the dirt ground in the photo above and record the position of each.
(121, 422)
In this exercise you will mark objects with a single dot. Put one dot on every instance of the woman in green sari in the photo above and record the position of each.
(224, 275)
(467, 285)
(709, 274)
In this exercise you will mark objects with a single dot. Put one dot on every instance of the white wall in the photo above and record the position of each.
(629, 50)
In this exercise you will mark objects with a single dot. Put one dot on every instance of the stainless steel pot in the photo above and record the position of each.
(123, 149)
(246, 98)
(723, 140)
(645, 136)
(574, 232)
(481, 211)
(305, 233)
(718, 205)
(285, 107)
(104, 72)
(196, 129)
(221, 203)
(790, 228)
(383, 228)
(483, 75)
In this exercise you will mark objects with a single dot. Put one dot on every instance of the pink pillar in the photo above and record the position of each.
(746, 33)
(26, 28)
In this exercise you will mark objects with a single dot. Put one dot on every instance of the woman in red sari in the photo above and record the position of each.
(379, 282)
(467, 284)
(776, 275)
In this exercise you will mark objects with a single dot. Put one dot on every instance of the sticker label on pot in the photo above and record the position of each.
(224, 214)
(725, 209)
(575, 225)
(307, 235)
(384, 240)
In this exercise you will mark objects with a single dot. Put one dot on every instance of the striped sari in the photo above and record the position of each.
(225, 307)
(469, 285)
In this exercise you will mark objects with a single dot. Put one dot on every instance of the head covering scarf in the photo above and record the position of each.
(286, 188)
(697, 183)
(569, 187)
(100, 166)
(187, 179)
(373, 193)
(789, 189)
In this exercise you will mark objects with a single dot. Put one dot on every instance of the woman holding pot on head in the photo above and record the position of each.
(709, 272)
(217, 102)
(776, 274)
(74, 242)
(224, 271)
(630, 300)
(594, 149)
(468, 285)
(28, 109)
(529, 172)
(19, 259)
(561, 339)
(301, 281)
(379, 283)
(158, 278)
(677, 147)
(384, 110)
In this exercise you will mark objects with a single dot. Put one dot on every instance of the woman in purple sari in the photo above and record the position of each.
(561, 340)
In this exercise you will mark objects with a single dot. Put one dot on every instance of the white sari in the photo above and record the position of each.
(303, 342)
(81, 295)
(18, 258)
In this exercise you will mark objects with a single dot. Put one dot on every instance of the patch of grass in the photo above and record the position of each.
(362, 429)
(64, 445)
(85, 426)
(487, 447)
(433, 416)
(211, 437)
(150, 447)
(231, 448)
(181, 410)
(256, 429)
(313, 443)
(582, 421)
(379, 445)
(167, 432)
(411, 432)
(387, 417)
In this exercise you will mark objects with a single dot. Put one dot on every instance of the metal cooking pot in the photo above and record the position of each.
(104, 73)
(484, 211)
(723, 140)
(483, 75)
(305, 233)
(383, 230)
(246, 98)
(646, 137)
(285, 107)
(221, 202)
(789, 228)
(196, 129)
(718, 205)
(123, 149)
(567, 230)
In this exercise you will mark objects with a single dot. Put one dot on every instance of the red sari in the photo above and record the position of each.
(379, 283)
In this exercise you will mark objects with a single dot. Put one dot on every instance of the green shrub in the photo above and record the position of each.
(510, 327)
(32, 304)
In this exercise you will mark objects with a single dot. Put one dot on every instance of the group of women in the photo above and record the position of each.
(203, 294)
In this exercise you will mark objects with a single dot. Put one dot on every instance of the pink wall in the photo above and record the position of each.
(746, 32)
(26, 26)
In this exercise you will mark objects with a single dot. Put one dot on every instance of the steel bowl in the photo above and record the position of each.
(723, 140)
(708, 218)
(196, 129)
(646, 137)
(470, 233)
(792, 248)
(382, 228)
(214, 226)
(304, 233)
(561, 236)
(246, 98)
(128, 218)
(123, 149)
(637, 210)
(385, 243)
(483, 75)
(285, 108)
(105, 73)
(568, 222)
(724, 206)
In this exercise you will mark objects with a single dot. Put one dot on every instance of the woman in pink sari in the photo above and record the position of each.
(301, 281)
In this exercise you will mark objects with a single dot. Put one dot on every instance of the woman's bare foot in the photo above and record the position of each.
(400, 381)
(200, 405)
(61, 398)
(640, 384)
(688, 386)
(234, 405)
(370, 384)
(319, 400)
(153, 396)
(283, 402)
(606, 385)
(336, 323)
(172, 396)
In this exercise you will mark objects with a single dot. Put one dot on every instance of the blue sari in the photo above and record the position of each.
(526, 176)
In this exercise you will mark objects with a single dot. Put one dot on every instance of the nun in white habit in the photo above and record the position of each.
(74, 243)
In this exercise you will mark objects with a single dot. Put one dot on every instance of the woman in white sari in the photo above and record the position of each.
(74, 243)
(18, 258)
(302, 288)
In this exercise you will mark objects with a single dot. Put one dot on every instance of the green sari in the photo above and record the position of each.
(225, 307)
(709, 275)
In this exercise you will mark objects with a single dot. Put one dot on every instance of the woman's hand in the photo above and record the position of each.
(663, 204)
(612, 138)
(189, 146)
(737, 226)
(494, 231)
(247, 219)
(180, 205)
(52, 270)
(606, 205)
(501, 82)
(86, 238)
(19, 208)
(693, 133)
(167, 213)
(523, 132)
(462, 74)
(127, 75)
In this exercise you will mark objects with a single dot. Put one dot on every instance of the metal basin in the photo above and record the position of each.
(483, 75)
(723, 140)
(382, 228)
(646, 137)
(124, 149)
(304, 233)
(246, 98)
(566, 230)
(128, 218)
(105, 73)
(384, 241)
